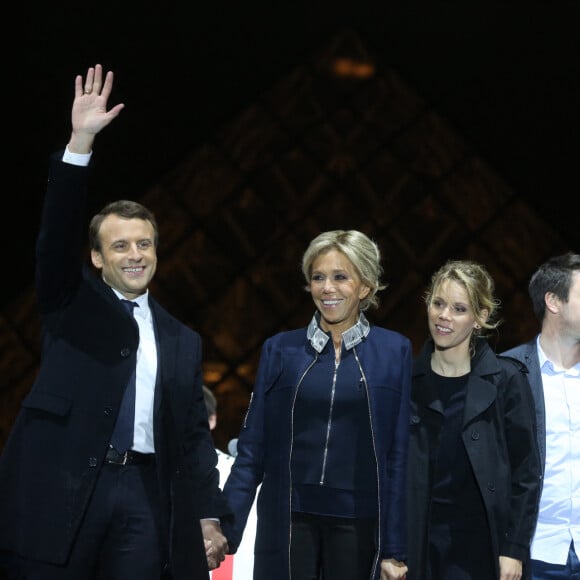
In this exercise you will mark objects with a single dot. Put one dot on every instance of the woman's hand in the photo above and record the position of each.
(392, 569)
(509, 568)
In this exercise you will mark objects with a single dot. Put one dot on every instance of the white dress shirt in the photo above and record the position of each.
(559, 516)
(146, 375)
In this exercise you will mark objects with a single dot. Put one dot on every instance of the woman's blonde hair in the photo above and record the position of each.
(479, 286)
(363, 253)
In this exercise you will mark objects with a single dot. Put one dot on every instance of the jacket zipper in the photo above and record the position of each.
(379, 543)
(329, 423)
(290, 458)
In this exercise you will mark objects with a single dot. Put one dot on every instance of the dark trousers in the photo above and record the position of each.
(119, 537)
(330, 548)
(546, 571)
(460, 554)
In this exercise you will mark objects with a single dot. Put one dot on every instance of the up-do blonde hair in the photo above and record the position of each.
(479, 286)
(362, 252)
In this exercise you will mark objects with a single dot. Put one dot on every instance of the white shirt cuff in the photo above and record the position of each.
(76, 158)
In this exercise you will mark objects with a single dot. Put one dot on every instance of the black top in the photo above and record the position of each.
(455, 497)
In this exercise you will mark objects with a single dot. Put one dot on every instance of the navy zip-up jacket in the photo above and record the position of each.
(265, 442)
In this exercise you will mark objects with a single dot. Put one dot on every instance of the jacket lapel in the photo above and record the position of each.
(481, 385)
(166, 347)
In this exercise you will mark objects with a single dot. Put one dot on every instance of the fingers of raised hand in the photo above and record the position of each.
(93, 80)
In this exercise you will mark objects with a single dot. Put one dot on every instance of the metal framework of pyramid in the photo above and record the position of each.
(325, 148)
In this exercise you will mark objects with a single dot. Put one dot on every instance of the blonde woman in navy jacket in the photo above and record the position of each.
(326, 431)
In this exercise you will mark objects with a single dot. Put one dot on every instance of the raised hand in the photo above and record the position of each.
(89, 111)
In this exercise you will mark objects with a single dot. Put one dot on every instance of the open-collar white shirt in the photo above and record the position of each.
(559, 516)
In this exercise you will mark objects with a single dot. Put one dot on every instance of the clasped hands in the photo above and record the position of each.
(216, 544)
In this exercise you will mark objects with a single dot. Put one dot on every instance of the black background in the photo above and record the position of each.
(505, 75)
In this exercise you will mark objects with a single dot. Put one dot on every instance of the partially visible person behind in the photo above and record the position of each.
(474, 471)
(110, 464)
(240, 566)
(553, 360)
(225, 460)
(326, 431)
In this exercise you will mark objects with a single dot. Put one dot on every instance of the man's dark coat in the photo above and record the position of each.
(57, 446)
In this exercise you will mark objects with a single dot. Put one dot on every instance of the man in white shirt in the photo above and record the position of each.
(553, 361)
(109, 470)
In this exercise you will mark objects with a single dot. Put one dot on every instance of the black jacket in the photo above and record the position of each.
(500, 440)
(57, 445)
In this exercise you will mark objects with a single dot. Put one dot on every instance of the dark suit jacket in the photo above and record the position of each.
(527, 353)
(57, 446)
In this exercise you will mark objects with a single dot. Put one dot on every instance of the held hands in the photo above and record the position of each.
(392, 569)
(89, 111)
(509, 568)
(216, 545)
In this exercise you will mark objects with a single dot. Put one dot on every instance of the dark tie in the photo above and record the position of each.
(122, 438)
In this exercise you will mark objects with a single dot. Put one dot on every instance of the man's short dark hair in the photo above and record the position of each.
(124, 208)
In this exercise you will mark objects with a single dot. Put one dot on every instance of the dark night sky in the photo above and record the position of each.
(504, 74)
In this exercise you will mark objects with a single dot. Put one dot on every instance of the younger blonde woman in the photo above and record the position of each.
(474, 471)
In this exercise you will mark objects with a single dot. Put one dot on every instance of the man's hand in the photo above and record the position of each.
(89, 111)
(216, 545)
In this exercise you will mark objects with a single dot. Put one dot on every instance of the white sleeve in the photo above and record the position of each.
(76, 158)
